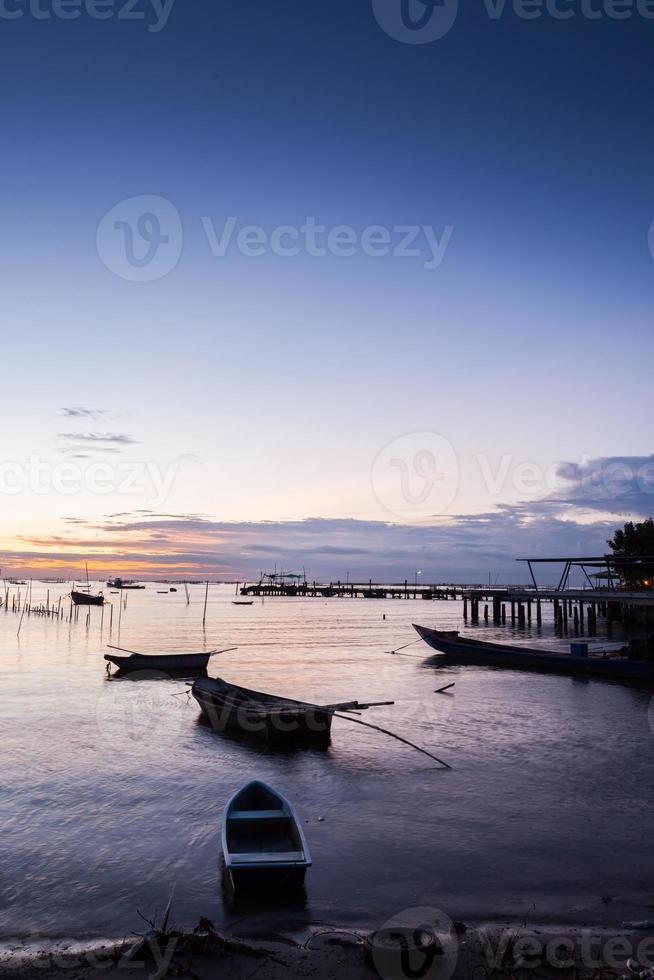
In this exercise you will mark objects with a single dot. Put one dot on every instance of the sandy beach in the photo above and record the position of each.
(500, 950)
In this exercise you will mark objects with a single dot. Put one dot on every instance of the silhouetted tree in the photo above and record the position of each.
(632, 542)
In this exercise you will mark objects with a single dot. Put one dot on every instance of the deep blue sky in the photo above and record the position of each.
(533, 139)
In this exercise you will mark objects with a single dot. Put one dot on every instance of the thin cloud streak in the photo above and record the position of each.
(84, 413)
(93, 437)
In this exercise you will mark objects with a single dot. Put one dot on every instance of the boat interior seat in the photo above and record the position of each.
(256, 814)
(268, 857)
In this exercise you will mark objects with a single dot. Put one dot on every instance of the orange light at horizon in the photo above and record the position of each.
(104, 568)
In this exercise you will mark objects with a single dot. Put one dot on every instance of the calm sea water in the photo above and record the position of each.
(111, 791)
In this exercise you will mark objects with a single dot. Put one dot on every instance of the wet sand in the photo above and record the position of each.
(498, 950)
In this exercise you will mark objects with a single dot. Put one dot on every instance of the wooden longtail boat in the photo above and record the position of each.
(465, 650)
(166, 662)
(86, 599)
(228, 707)
(262, 840)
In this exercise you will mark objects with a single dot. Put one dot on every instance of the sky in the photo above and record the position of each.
(318, 286)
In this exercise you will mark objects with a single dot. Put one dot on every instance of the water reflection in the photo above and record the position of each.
(112, 792)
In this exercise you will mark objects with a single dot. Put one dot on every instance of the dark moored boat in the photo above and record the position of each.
(263, 843)
(86, 599)
(464, 650)
(228, 707)
(119, 583)
(189, 663)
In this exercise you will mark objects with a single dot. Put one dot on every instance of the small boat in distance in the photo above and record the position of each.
(235, 602)
(86, 599)
(580, 661)
(83, 597)
(263, 843)
(123, 583)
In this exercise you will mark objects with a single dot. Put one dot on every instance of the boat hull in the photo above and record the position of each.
(462, 650)
(264, 848)
(82, 599)
(251, 714)
(188, 662)
(263, 881)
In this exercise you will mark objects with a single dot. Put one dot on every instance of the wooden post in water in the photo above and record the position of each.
(204, 614)
(539, 613)
(465, 607)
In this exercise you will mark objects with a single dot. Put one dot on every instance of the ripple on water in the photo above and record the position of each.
(112, 791)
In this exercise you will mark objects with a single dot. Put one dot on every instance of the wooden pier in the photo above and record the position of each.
(574, 609)
(351, 590)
